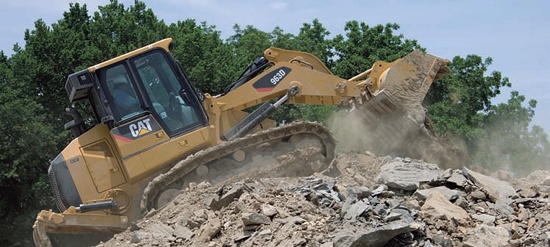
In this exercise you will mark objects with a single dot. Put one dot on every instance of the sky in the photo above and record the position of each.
(515, 34)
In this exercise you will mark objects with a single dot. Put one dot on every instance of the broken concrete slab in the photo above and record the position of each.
(485, 218)
(494, 188)
(502, 206)
(309, 213)
(439, 207)
(218, 203)
(458, 179)
(268, 210)
(478, 194)
(209, 229)
(183, 232)
(489, 236)
(255, 219)
(375, 236)
(355, 210)
(406, 174)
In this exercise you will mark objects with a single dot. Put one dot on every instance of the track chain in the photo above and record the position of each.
(205, 156)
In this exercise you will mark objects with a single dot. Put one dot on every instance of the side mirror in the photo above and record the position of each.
(76, 125)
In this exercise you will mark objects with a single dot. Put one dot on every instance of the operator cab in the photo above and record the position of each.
(147, 85)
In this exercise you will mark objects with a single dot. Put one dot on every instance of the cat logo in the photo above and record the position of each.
(140, 128)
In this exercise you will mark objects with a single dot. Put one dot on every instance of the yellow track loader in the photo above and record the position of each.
(154, 132)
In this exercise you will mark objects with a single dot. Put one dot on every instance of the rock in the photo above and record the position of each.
(494, 188)
(539, 177)
(488, 236)
(265, 232)
(135, 237)
(360, 179)
(160, 231)
(255, 219)
(529, 191)
(235, 192)
(203, 185)
(404, 213)
(355, 210)
(458, 179)
(478, 194)
(183, 232)
(337, 211)
(392, 216)
(411, 203)
(351, 198)
(376, 236)
(502, 206)
(268, 210)
(443, 241)
(381, 188)
(327, 244)
(485, 218)
(439, 207)
(448, 193)
(209, 229)
(523, 214)
(462, 202)
(363, 192)
(406, 175)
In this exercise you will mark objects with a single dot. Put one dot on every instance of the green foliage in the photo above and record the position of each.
(508, 140)
(202, 55)
(459, 101)
(283, 40)
(26, 145)
(313, 39)
(318, 113)
(363, 45)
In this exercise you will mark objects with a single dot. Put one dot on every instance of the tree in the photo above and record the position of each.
(202, 54)
(283, 40)
(458, 102)
(26, 145)
(313, 38)
(508, 141)
(364, 45)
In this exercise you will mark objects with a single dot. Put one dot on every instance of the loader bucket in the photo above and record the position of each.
(391, 116)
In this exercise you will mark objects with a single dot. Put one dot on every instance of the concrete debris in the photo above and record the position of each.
(489, 236)
(407, 174)
(494, 188)
(449, 194)
(375, 237)
(255, 219)
(438, 207)
(373, 202)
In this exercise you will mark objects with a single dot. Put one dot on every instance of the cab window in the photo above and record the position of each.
(165, 92)
(125, 102)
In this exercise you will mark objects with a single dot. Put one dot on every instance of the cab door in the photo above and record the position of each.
(169, 94)
(138, 136)
(163, 108)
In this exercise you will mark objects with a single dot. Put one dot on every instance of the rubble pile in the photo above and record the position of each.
(373, 201)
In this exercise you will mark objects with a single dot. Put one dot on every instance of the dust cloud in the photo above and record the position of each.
(396, 135)
(507, 147)
(399, 136)
(351, 132)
